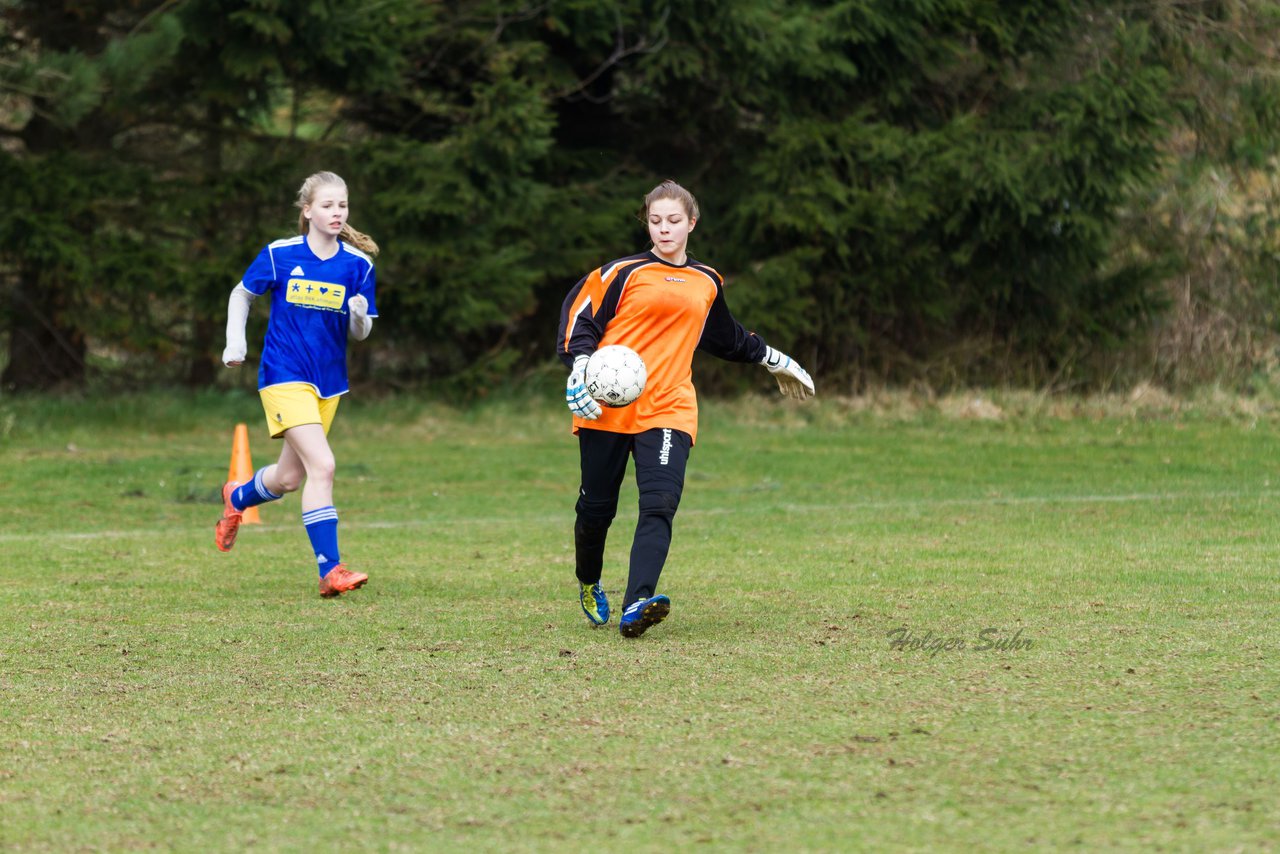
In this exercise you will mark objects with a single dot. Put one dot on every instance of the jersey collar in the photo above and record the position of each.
(688, 259)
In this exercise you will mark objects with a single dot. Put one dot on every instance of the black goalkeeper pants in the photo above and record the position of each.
(660, 455)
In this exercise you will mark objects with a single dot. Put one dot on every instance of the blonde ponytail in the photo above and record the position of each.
(359, 240)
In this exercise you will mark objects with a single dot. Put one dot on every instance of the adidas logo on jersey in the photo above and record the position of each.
(297, 271)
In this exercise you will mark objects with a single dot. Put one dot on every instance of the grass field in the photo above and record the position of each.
(820, 685)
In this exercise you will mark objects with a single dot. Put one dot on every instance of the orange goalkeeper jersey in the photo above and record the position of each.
(664, 312)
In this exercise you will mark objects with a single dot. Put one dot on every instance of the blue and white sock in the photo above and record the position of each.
(322, 528)
(253, 493)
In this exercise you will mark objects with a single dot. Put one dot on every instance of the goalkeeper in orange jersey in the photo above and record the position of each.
(664, 305)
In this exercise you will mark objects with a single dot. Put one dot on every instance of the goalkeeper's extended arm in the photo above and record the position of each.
(793, 380)
(359, 323)
(237, 316)
(580, 403)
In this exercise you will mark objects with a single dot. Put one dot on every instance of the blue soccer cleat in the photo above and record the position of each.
(594, 603)
(640, 615)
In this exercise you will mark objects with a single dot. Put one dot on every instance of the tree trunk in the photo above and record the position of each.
(46, 348)
(200, 370)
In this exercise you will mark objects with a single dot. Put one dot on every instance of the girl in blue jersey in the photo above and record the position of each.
(321, 286)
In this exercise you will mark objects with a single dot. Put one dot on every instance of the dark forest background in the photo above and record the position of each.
(1044, 193)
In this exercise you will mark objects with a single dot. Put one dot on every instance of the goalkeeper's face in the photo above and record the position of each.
(669, 227)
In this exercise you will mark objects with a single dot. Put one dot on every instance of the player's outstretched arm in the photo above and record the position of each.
(793, 380)
(359, 323)
(237, 316)
(580, 403)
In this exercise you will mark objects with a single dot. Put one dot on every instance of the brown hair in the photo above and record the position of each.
(669, 189)
(307, 194)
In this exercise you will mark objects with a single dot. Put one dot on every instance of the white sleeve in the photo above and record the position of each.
(237, 316)
(361, 327)
(359, 323)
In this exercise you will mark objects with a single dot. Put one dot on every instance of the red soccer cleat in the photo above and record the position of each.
(224, 533)
(341, 580)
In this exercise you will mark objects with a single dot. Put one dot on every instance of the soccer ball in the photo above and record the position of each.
(615, 375)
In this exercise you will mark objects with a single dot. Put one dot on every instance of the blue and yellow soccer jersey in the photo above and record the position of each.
(307, 333)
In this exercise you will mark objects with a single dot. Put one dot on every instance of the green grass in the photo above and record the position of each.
(156, 693)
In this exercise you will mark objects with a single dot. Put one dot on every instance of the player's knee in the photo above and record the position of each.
(288, 480)
(322, 470)
(659, 504)
(596, 514)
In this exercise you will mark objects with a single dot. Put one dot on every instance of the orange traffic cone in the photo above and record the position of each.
(242, 469)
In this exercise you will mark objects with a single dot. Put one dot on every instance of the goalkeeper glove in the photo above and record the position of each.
(793, 380)
(580, 403)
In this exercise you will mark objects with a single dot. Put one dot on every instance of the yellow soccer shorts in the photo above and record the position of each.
(292, 404)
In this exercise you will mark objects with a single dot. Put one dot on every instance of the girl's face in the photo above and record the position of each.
(328, 210)
(669, 227)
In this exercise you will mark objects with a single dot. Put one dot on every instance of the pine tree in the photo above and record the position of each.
(67, 76)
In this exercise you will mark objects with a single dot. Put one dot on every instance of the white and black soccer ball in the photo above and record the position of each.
(615, 375)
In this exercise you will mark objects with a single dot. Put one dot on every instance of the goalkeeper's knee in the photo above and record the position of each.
(662, 504)
(596, 512)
